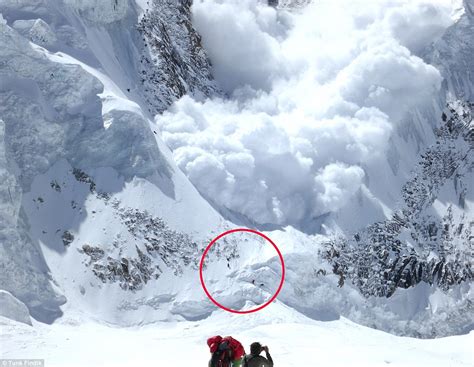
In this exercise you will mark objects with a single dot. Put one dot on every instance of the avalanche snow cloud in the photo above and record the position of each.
(314, 97)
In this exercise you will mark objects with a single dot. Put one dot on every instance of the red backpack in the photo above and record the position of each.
(224, 350)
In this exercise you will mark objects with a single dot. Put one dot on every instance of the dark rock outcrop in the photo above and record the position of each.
(417, 245)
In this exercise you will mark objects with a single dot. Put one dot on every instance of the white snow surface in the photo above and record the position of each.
(293, 339)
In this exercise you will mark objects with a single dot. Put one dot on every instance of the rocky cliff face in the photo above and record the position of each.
(428, 239)
(173, 62)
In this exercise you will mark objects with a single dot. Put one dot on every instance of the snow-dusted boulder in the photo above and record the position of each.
(37, 30)
(13, 308)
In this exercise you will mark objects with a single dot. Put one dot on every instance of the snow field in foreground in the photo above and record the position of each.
(293, 339)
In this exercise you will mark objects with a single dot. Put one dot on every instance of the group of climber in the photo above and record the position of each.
(229, 352)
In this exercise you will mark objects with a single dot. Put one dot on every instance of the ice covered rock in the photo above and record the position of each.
(13, 308)
(37, 30)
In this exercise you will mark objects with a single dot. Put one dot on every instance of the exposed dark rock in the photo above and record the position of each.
(55, 186)
(95, 253)
(67, 238)
(173, 62)
(81, 176)
(380, 258)
(160, 245)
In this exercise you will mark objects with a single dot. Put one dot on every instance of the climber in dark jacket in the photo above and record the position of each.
(254, 359)
(273, 3)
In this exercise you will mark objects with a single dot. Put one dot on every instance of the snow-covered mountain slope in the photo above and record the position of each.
(273, 120)
(452, 54)
(79, 154)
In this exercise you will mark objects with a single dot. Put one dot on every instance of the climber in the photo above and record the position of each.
(226, 352)
(254, 359)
